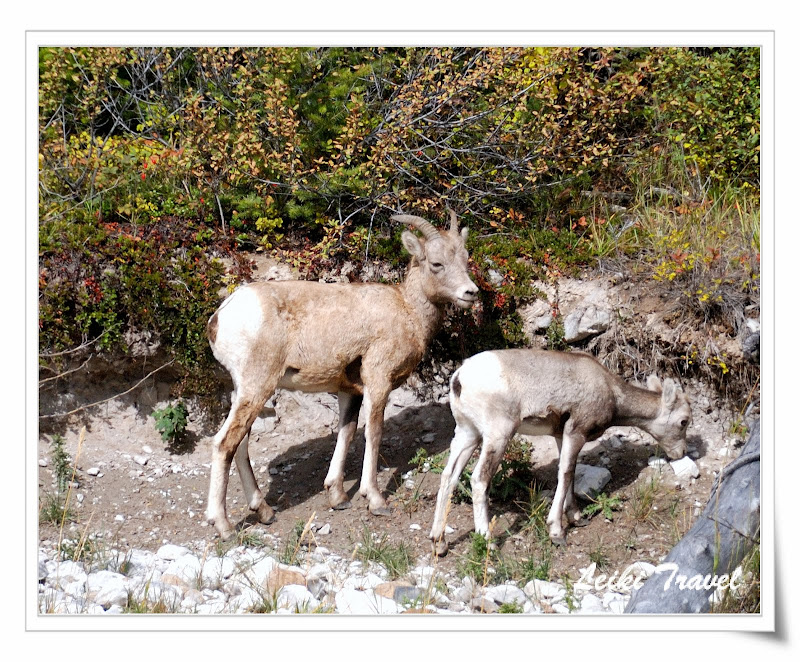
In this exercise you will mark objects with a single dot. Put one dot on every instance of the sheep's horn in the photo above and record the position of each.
(425, 227)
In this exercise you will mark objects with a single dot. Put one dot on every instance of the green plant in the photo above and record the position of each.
(510, 608)
(294, 541)
(599, 556)
(605, 504)
(569, 594)
(644, 497)
(171, 421)
(396, 558)
(54, 507)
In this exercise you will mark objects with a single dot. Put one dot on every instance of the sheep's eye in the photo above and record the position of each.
(684, 423)
(437, 266)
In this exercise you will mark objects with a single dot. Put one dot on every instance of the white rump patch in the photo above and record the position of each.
(482, 373)
(239, 319)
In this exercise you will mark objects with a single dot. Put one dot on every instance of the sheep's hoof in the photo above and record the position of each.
(580, 522)
(559, 541)
(342, 505)
(381, 511)
(265, 514)
(440, 547)
(226, 534)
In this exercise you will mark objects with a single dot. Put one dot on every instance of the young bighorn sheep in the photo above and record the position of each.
(569, 396)
(360, 340)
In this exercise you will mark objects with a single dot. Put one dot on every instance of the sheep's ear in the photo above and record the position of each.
(654, 384)
(413, 245)
(670, 392)
(464, 233)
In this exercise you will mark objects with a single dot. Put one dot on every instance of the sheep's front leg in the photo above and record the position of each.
(571, 445)
(375, 399)
(464, 443)
(349, 406)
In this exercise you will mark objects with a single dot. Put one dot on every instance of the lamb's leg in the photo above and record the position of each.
(253, 495)
(244, 410)
(376, 395)
(464, 443)
(572, 443)
(349, 406)
(494, 445)
(571, 509)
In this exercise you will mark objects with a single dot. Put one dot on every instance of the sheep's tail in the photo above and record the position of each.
(455, 386)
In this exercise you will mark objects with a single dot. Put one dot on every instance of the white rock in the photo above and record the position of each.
(368, 581)
(353, 601)
(591, 604)
(93, 471)
(642, 568)
(505, 594)
(186, 567)
(656, 462)
(296, 598)
(685, 468)
(67, 571)
(216, 569)
(259, 572)
(539, 589)
(108, 588)
(171, 552)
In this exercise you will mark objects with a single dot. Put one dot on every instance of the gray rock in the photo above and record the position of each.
(589, 480)
(586, 321)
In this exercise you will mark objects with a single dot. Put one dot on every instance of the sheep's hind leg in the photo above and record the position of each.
(494, 445)
(571, 510)
(255, 498)
(349, 406)
(226, 443)
(464, 443)
(568, 457)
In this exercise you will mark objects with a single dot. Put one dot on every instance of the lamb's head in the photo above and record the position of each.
(674, 418)
(443, 260)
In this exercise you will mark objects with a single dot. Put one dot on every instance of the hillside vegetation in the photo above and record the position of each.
(154, 163)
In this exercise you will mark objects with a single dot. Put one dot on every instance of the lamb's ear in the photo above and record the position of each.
(413, 245)
(654, 384)
(670, 392)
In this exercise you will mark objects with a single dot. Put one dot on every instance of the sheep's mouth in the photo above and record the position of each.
(463, 302)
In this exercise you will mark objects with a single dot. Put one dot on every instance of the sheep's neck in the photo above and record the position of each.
(419, 303)
(636, 406)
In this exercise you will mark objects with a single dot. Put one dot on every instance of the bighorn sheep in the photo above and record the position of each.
(360, 340)
(570, 396)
